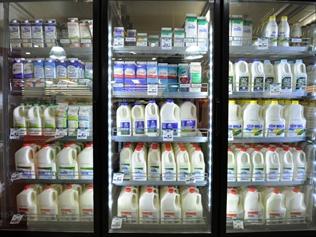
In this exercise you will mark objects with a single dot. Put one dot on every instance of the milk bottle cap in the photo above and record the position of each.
(296, 189)
(27, 144)
(192, 190)
(69, 144)
(284, 18)
(69, 186)
(169, 101)
(168, 147)
(272, 18)
(276, 190)
(295, 102)
(124, 103)
(286, 148)
(128, 189)
(154, 146)
(252, 189)
(253, 102)
(274, 102)
(232, 191)
(232, 102)
(27, 186)
(170, 189)
(89, 145)
(152, 101)
(149, 189)
(272, 148)
(90, 186)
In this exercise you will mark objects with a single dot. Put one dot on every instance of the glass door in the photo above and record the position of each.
(271, 154)
(159, 116)
(47, 102)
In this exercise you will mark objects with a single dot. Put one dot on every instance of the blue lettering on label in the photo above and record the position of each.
(152, 125)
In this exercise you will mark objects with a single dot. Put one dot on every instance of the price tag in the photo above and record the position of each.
(64, 41)
(16, 219)
(238, 225)
(60, 132)
(275, 89)
(116, 223)
(16, 176)
(184, 85)
(152, 89)
(82, 134)
(190, 179)
(14, 133)
(167, 135)
(263, 44)
(166, 43)
(296, 40)
(118, 178)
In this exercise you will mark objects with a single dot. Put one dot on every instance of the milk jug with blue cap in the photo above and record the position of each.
(124, 120)
(152, 120)
(138, 119)
(188, 118)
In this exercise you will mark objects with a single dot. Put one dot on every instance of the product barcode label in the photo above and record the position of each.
(238, 224)
(152, 89)
(16, 219)
(14, 133)
(118, 178)
(167, 135)
(82, 134)
(275, 88)
(116, 223)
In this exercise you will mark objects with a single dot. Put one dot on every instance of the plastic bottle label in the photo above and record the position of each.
(273, 174)
(67, 172)
(287, 174)
(154, 172)
(28, 70)
(86, 172)
(236, 130)
(38, 70)
(231, 175)
(169, 174)
(125, 169)
(268, 82)
(183, 174)
(170, 126)
(61, 71)
(300, 174)
(258, 84)
(125, 128)
(296, 130)
(198, 174)
(45, 173)
(244, 174)
(139, 174)
(254, 129)
(276, 130)
(258, 174)
(301, 83)
(244, 84)
(26, 172)
(139, 127)
(152, 125)
(188, 124)
(17, 69)
(286, 83)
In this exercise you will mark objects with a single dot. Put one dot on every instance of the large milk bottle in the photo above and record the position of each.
(68, 204)
(24, 161)
(188, 118)
(49, 122)
(170, 117)
(127, 204)
(26, 202)
(152, 121)
(295, 205)
(231, 78)
(284, 75)
(242, 76)
(287, 164)
(253, 122)
(234, 119)
(154, 162)
(34, 119)
(85, 162)
(232, 166)
(300, 164)
(126, 160)
(275, 206)
(284, 32)
(124, 120)
(139, 163)
(183, 162)
(168, 163)
(295, 122)
(67, 163)
(234, 205)
(269, 74)
(271, 31)
(46, 162)
(253, 207)
(48, 203)
(273, 165)
(243, 165)
(86, 203)
(299, 75)
(257, 76)
(19, 119)
(138, 119)
(149, 206)
(192, 210)
(258, 165)
(170, 207)
(274, 121)
(197, 162)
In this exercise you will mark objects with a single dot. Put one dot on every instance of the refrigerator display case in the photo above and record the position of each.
(271, 128)
(160, 78)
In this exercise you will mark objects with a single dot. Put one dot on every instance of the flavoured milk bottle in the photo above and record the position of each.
(192, 210)
(46, 162)
(284, 75)
(138, 119)
(253, 122)
(231, 78)
(234, 119)
(34, 119)
(295, 205)
(232, 166)
(300, 164)
(273, 165)
(67, 163)
(170, 117)
(253, 207)
(258, 165)
(275, 206)
(126, 160)
(287, 164)
(168, 163)
(257, 76)
(68, 204)
(124, 120)
(299, 75)
(295, 121)
(197, 162)
(271, 31)
(48, 203)
(25, 161)
(86, 203)
(26, 202)
(49, 122)
(269, 74)
(149, 206)
(154, 162)
(234, 205)
(183, 162)
(274, 121)
(170, 207)
(242, 76)
(284, 32)
(85, 162)
(127, 204)
(188, 118)
(243, 165)
(19, 119)
(139, 163)
(152, 121)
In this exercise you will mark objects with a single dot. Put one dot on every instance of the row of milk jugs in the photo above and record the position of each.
(162, 162)
(269, 119)
(147, 120)
(169, 204)
(72, 161)
(270, 204)
(266, 163)
(71, 202)
(258, 76)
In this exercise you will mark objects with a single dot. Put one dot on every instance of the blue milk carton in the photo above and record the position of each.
(118, 75)
(163, 75)
(173, 77)
(141, 76)
(152, 73)
(129, 75)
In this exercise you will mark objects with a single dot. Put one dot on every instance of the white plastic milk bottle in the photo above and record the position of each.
(274, 121)
(234, 119)
(197, 162)
(242, 76)
(152, 121)
(149, 206)
(126, 160)
(127, 204)
(257, 76)
(67, 163)
(68, 204)
(232, 166)
(253, 122)
(300, 164)
(138, 119)
(299, 75)
(48, 203)
(154, 162)
(273, 165)
(234, 205)
(253, 207)
(192, 210)
(271, 31)
(258, 165)
(27, 202)
(268, 69)
(46, 162)
(86, 202)
(19, 119)
(139, 163)
(24, 161)
(295, 121)
(284, 32)
(124, 120)
(188, 118)
(168, 163)
(275, 206)
(170, 207)
(284, 75)
(183, 161)
(231, 78)
(170, 117)
(287, 164)
(85, 162)
(49, 121)
(243, 165)
(295, 205)
(34, 119)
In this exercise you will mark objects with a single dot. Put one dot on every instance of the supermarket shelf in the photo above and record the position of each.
(60, 91)
(267, 95)
(48, 139)
(161, 183)
(265, 183)
(53, 181)
(62, 226)
(268, 140)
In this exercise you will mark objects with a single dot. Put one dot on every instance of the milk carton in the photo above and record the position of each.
(173, 77)
(274, 121)
(152, 73)
(149, 206)
(234, 205)
(34, 118)
(26, 33)
(73, 29)
(26, 202)
(196, 76)
(170, 117)
(183, 76)
(170, 207)
(284, 75)
(253, 122)
(178, 37)
(48, 203)
(14, 28)
(257, 76)
(242, 76)
(191, 29)
(283, 32)
(73, 119)
(295, 125)
(118, 37)
(61, 118)
(68, 204)
(163, 75)
(129, 75)
(247, 32)
(234, 119)
(139, 163)
(46, 163)
(166, 38)
(188, 118)
(141, 75)
(85, 162)
(38, 33)
(127, 204)
(124, 120)
(50, 32)
(154, 162)
(126, 160)
(168, 163)
(118, 75)
(253, 207)
(25, 161)
(19, 119)
(85, 118)
(237, 30)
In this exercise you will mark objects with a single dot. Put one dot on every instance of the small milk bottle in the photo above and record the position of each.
(257, 76)
(274, 121)
(152, 120)
(284, 32)
(271, 31)
(138, 119)
(242, 76)
(124, 120)
(234, 119)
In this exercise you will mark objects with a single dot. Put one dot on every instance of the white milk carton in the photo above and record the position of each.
(197, 162)
(127, 204)
(152, 120)
(237, 24)
(168, 163)
(68, 204)
(242, 75)
(231, 166)
(284, 75)
(46, 162)
(257, 76)
(234, 119)
(192, 210)
(170, 206)
(202, 32)
(86, 203)
(188, 118)
(48, 203)
(253, 207)
(191, 28)
(124, 120)
(170, 117)
(126, 160)
(138, 119)
(85, 162)
(25, 161)
(85, 118)
(149, 206)
(253, 122)
(139, 163)
(154, 162)
(26, 202)
(274, 121)
(234, 205)
(34, 121)
(19, 119)
(49, 121)
(295, 121)
(73, 120)
(67, 163)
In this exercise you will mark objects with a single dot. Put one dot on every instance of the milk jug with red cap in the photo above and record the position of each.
(275, 206)
(253, 207)
(25, 161)
(192, 210)
(48, 203)
(154, 162)
(86, 203)
(46, 162)
(149, 206)
(139, 163)
(67, 162)
(234, 205)
(170, 207)
(294, 203)
(127, 204)
(85, 162)
(168, 163)
(126, 160)
(27, 202)
(68, 204)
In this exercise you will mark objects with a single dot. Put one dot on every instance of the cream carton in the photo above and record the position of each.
(73, 120)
